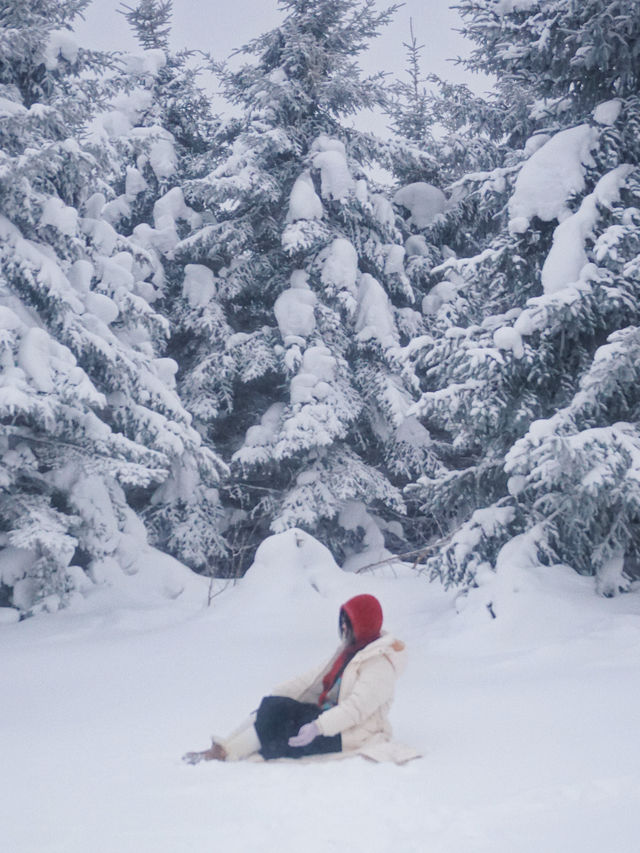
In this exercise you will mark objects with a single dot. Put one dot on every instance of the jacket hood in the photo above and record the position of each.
(365, 615)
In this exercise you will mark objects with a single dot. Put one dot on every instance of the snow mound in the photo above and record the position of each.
(294, 587)
(291, 564)
(554, 718)
(15, 564)
(529, 605)
(518, 591)
(141, 576)
(9, 615)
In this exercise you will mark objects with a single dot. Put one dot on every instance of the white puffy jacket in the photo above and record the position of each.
(364, 700)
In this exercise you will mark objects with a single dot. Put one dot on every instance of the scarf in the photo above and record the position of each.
(339, 666)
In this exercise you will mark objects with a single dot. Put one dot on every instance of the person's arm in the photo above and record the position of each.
(295, 687)
(373, 688)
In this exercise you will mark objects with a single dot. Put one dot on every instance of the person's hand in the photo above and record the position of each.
(307, 733)
(193, 757)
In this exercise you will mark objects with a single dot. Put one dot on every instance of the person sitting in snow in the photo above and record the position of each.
(339, 707)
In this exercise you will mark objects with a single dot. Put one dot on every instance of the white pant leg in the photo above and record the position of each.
(242, 743)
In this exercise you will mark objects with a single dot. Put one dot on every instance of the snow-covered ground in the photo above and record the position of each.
(528, 722)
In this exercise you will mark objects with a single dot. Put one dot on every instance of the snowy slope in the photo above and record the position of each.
(528, 722)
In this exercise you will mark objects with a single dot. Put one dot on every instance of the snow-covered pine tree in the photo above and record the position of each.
(442, 131)
(410, 103)
(87, 412)
(417, 163)
(529, 369)
(309, 395)
(159, 133)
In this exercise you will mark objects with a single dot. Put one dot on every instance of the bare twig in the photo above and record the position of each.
(418, 553)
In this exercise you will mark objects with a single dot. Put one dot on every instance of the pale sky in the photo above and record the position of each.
(220, 26)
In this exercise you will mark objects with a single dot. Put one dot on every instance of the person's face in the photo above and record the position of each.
(346, 631)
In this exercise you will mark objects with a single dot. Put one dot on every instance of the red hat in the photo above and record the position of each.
(365, 615)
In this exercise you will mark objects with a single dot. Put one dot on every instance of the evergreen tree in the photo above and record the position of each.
(300, 260)
(87, 411)
(410, 106)
(161, 133)
(527, 371)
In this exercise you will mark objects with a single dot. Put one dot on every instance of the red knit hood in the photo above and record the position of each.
(365, 614)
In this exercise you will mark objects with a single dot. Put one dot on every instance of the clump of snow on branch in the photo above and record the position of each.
(354, 517)
(61, 44)
(161, 145)
(172, 207)
(331, 159)
(146, 64)
(549, 178)
(317, 373)
(425, 202)
(166, 212)
(374, 317)
(57, 214)
(295, 310)
(567, 255)
(199, 285)
(441, 293)
(507, 338)
(394, 262)
(383, 210)
(125, 112)
(261, 437)
(340, 272)
(505, 7)
(304, 202)
(607, 112)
